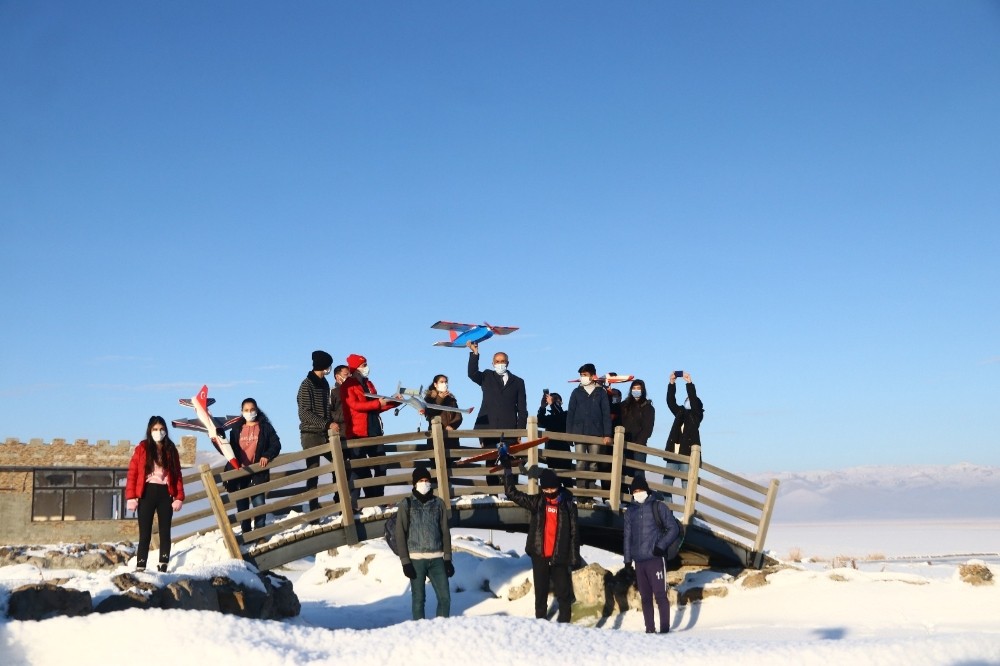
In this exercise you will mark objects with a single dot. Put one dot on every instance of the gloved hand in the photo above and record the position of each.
(409, 571)
(176, 505)
(659, 552)
(132, 504)
(449, 568)
(503, 455)
(628, 567)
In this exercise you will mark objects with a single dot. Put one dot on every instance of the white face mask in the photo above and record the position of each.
(364, 370)
(423, 487)
(441, 386)
(585, 381)
(640, 496)
(500, 368)
(159, 435)
(250, 416)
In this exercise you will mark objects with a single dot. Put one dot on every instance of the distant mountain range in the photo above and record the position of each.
(922, 492)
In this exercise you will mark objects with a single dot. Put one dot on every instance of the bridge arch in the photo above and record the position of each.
(725, 516)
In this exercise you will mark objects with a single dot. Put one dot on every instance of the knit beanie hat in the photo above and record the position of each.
(548, 479)
(639, 483)
(355, 361)
(420, 473)
(321, 360)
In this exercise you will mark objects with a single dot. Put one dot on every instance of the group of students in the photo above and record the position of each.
(424, 544)
(154, 486)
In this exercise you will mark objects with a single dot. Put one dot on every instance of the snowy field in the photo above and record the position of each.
(874, 581)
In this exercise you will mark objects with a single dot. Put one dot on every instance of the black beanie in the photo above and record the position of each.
(419, 473)
(321, 360)
(548, 479)
(639, 483)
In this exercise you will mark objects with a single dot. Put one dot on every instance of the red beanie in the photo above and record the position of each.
(355, 361)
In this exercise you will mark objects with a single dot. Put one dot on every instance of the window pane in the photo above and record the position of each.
(121, 478)
(107, 504)
(48, 505)
(91, 478)
(53, 478)
(79, 505)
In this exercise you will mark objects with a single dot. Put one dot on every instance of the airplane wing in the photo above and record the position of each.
(503, 330)
(454, 326)
(196, 424)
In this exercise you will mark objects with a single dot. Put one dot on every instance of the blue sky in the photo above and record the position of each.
(796, 202)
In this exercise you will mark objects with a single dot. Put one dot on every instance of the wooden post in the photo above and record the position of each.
(219, 509)
(765, 522)
(441, 463)
(532, 454)
(694, 466)
(617, 458)
(343, 482)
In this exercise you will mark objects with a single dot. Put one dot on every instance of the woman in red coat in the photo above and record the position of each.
(154, 486)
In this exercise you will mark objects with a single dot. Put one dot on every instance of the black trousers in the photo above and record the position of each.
(156, 501)
(560, 579)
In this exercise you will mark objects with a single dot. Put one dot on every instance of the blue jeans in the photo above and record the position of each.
(680, 467)
(433, 569)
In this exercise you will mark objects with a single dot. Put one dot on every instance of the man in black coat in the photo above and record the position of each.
(553, 541)
(505, 404)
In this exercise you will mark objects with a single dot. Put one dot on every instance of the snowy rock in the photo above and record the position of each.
(975, 573)
(40, 602)
(191, 594)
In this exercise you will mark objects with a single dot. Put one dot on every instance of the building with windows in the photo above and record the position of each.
(74, 493)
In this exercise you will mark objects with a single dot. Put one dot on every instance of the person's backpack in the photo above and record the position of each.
(390, 528)
(675, 546)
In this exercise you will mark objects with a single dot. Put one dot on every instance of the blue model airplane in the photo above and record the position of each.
(464, 333)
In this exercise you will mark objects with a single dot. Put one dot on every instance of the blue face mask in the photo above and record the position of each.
(636, 394)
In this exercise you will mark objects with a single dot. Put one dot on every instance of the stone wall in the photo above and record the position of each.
(60, 453)
(18, 460)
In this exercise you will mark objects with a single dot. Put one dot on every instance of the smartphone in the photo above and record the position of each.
(679, 374)
(545, 391)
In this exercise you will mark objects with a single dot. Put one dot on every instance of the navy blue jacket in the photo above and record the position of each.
(589, 413)
(643, 533)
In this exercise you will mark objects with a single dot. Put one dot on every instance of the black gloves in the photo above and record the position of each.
(449, 568)
(409, 571)
(659, 552)
(629, 568)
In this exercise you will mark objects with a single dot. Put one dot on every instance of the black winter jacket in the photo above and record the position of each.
(690, 418)
(504, 405)
(638, 417)
(268, 446)
(567, 547)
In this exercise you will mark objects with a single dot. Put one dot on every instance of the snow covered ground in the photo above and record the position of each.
(876, 583)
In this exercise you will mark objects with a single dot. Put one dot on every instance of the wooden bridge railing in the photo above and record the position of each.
(714, 499)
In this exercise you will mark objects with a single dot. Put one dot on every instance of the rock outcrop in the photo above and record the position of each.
(223, 595)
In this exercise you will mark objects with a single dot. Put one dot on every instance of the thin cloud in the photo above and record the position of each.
(170, 386)
(27, 389)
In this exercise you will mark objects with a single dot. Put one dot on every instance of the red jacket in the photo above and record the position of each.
(135, 484)
(357, 406)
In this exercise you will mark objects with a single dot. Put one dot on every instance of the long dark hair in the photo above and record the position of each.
(433, 386)
(261, 416)
(165, 453)
(630, 402)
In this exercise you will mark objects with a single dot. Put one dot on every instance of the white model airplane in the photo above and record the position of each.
(415, 398)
